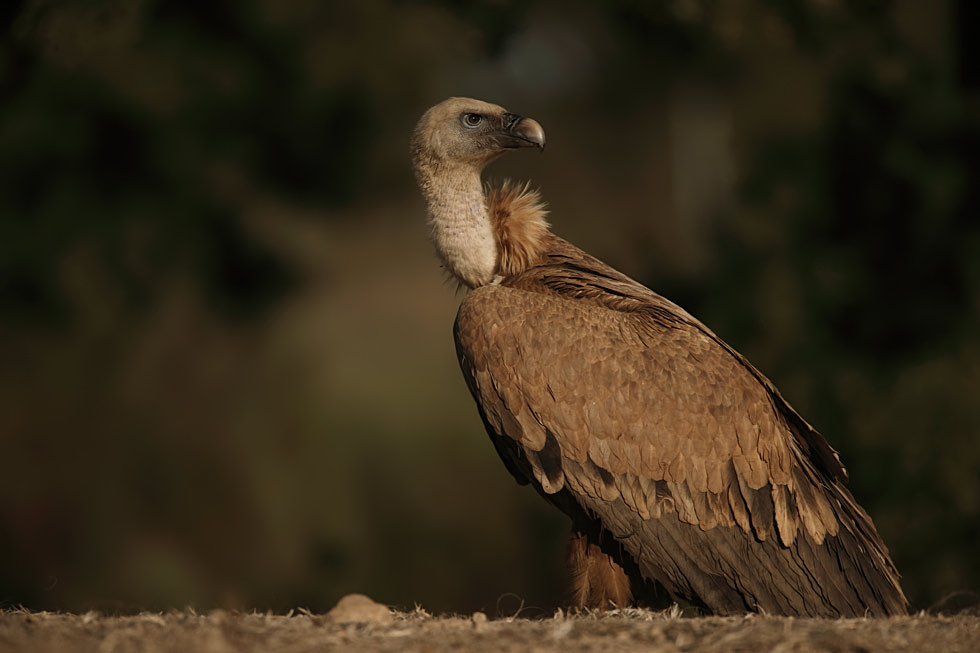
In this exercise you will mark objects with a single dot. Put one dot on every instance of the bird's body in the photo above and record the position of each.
(677, 461)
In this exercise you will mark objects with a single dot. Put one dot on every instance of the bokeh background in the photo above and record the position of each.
(227, 376)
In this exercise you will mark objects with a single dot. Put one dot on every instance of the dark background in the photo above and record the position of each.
(226, 369)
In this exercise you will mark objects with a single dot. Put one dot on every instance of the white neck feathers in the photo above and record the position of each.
(461, 226)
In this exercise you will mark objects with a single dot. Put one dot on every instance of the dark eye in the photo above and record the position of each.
(472, 119)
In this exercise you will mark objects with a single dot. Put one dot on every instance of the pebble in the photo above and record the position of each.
(479, 621)
(359, 609)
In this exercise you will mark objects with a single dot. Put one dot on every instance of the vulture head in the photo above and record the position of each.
(452, 143)
(471, 132)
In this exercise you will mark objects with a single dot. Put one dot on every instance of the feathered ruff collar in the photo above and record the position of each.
(517, 214)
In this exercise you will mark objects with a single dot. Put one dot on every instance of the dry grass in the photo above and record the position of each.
(633, 630)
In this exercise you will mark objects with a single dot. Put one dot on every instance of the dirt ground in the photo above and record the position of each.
(370, 627)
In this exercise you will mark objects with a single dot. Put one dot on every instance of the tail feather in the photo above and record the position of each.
(728, 571)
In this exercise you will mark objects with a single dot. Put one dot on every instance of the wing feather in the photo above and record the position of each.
(623, 400)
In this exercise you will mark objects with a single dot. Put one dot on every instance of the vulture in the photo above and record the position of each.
(680, 465)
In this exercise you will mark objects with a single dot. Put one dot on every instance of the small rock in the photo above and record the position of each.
(479, 621)
(359, 609)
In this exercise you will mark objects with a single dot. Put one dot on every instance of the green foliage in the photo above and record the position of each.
(119, 120)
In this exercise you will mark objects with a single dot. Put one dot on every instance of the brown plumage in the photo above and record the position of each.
(678, 462)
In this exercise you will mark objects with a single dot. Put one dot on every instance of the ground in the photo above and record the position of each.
(361, 625)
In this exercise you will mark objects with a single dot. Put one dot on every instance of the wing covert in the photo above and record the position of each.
(612, 404)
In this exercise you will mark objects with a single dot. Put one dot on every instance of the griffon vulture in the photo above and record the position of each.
(677, 461)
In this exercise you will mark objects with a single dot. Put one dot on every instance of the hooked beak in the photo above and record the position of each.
(521, 132)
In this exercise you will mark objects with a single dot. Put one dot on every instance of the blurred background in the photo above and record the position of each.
(227, 375)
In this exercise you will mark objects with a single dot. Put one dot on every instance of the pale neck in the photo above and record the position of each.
(461, 227)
